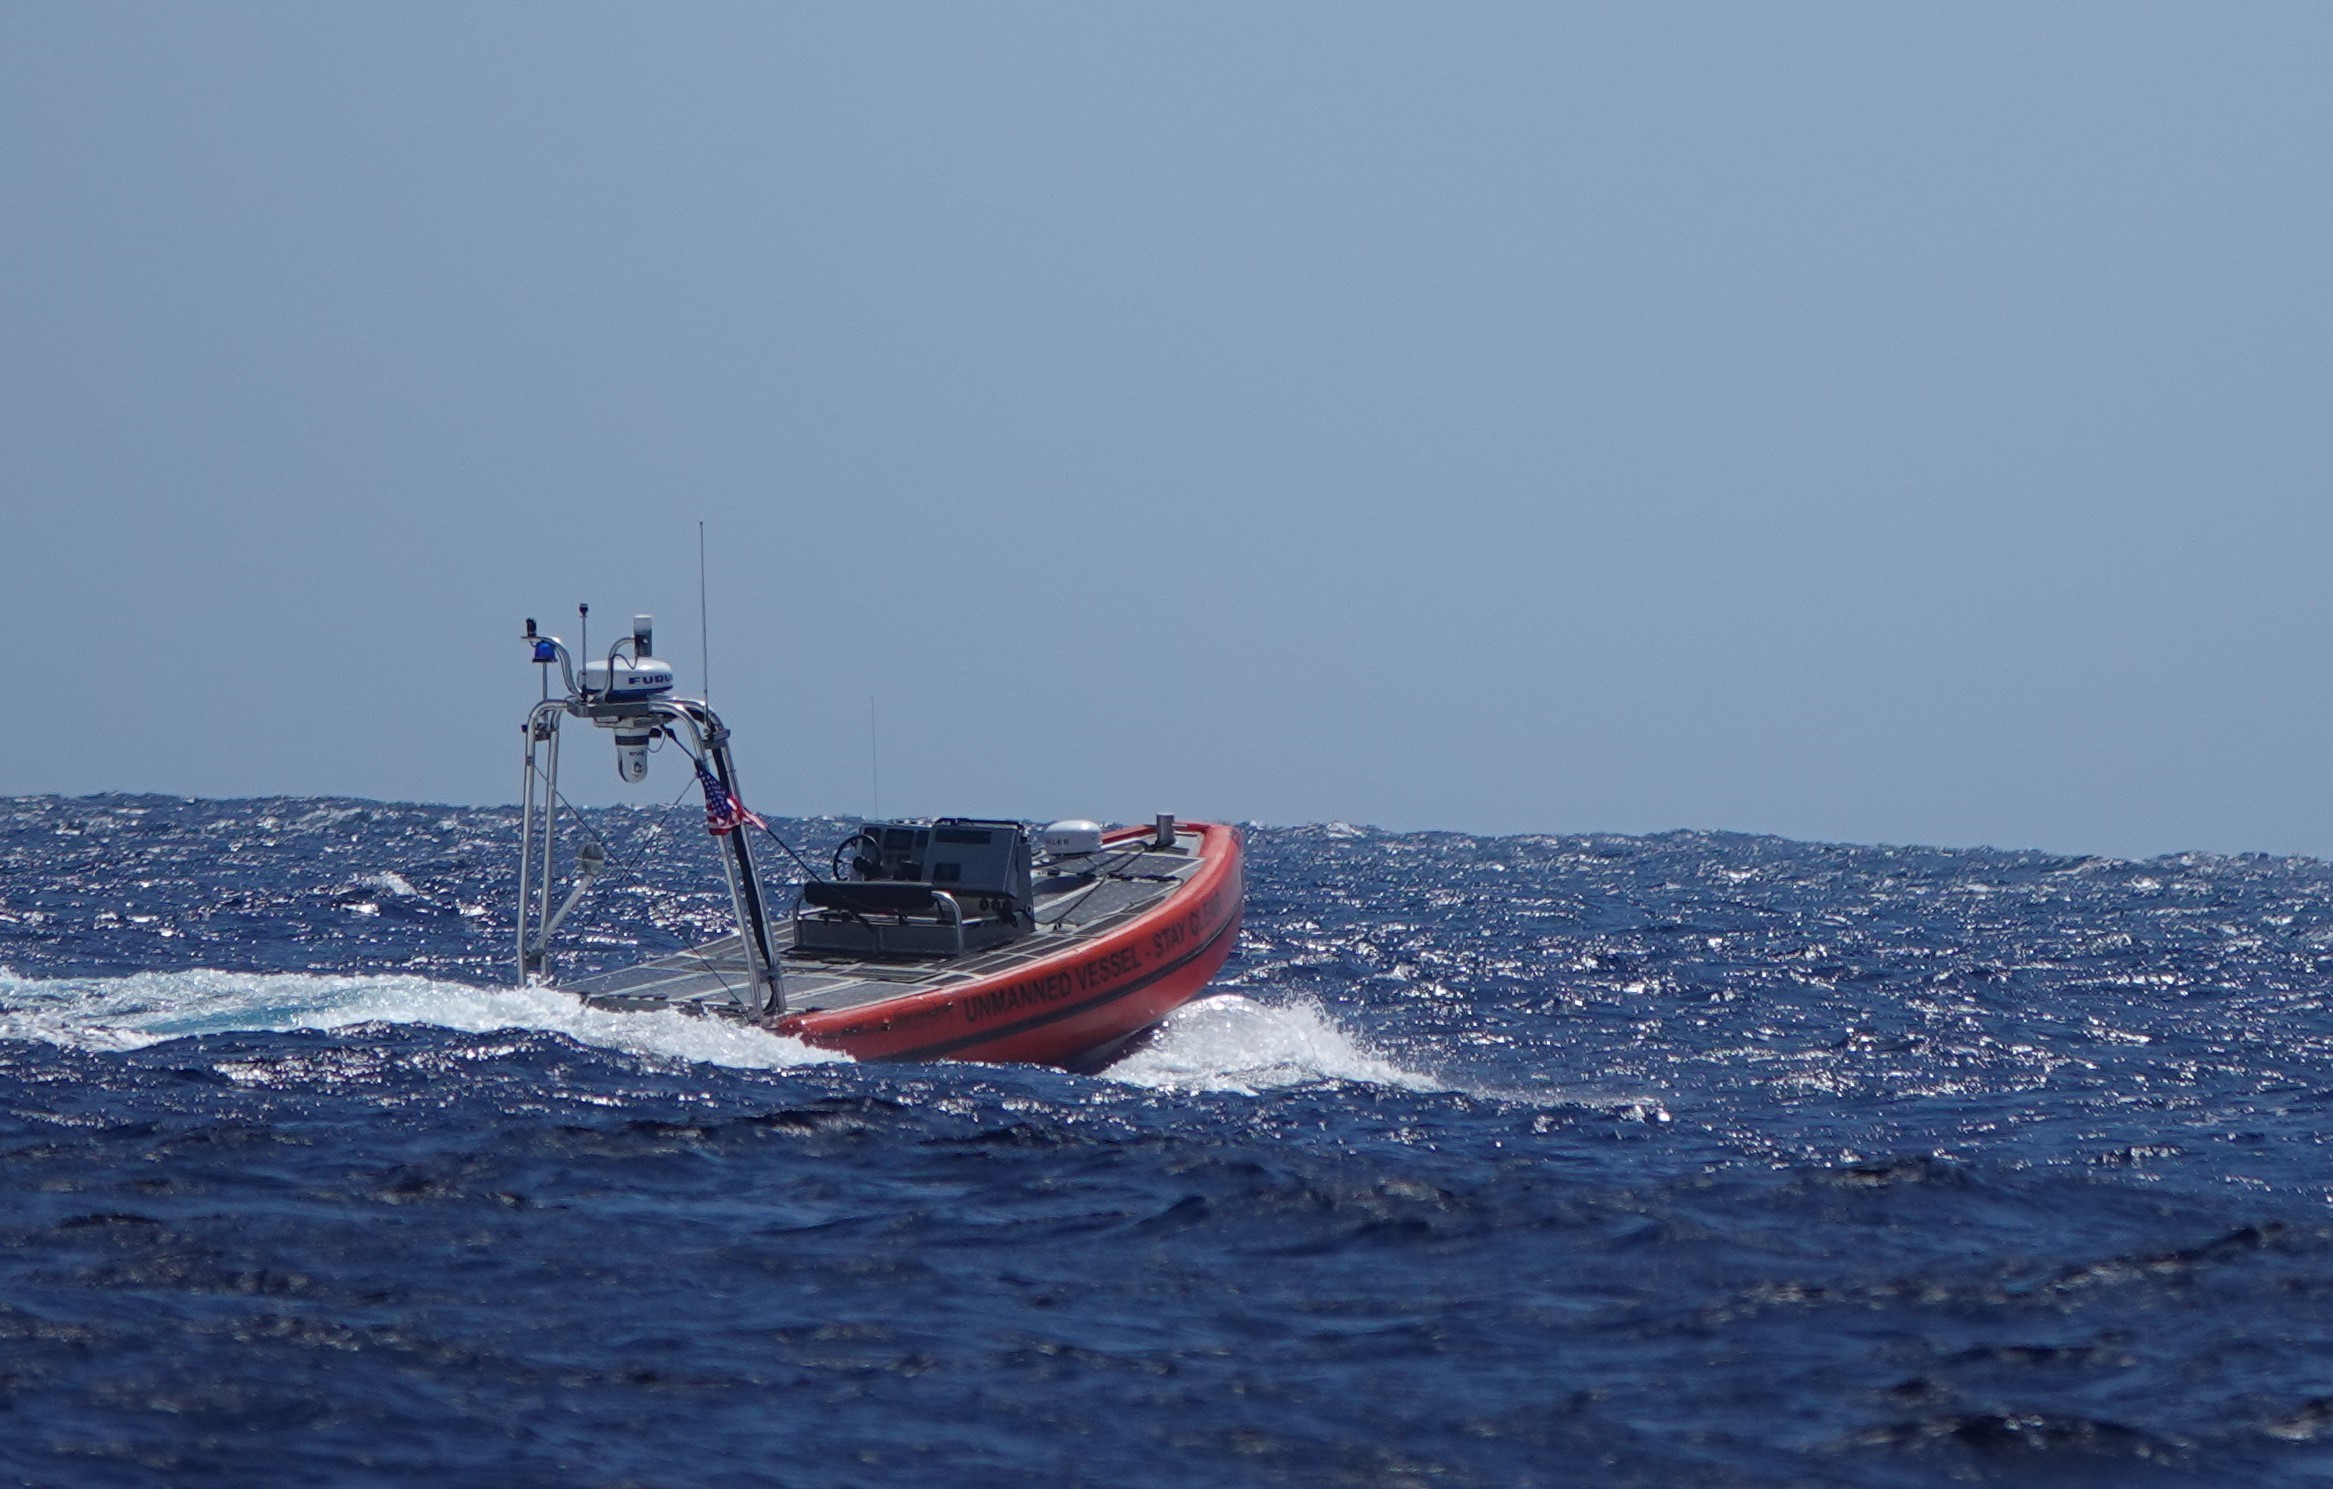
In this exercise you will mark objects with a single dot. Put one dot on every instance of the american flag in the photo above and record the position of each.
(724, 813)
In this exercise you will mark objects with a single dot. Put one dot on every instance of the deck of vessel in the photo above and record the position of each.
(1070, 908)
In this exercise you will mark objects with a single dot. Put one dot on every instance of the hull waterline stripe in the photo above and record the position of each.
(990, 1036)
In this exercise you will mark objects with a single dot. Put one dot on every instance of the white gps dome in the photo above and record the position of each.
(1074, 837)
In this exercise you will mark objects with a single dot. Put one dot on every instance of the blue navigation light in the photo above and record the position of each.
(546, 651)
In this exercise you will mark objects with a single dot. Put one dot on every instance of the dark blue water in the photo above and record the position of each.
(1694, 1159)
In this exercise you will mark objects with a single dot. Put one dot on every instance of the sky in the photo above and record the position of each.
(1898, 423)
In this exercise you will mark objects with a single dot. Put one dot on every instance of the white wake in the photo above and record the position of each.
(126, 1013)
(1235, 1044)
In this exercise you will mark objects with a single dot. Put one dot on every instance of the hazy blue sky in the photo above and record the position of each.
(1881, 422)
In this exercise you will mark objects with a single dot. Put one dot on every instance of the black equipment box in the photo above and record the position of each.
(970, 859)
(889, 905)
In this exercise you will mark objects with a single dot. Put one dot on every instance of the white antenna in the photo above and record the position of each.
(704, 626)
(874, 764)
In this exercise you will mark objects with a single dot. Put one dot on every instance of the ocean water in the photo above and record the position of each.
(1679, 1160)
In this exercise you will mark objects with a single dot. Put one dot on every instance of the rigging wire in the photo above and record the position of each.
(790, 853)
(663, 818)
(630, 869)
(764, 826)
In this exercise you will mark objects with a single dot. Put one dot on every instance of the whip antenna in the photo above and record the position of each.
(704, 626)
(874, 765)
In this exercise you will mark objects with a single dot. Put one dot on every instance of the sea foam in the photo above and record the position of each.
(1234, 1044)
(125, 1013)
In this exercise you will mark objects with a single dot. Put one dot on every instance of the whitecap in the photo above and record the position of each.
(1235, 1044)
(126, 1013)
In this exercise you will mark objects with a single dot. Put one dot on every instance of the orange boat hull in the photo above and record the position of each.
(1073, 1008)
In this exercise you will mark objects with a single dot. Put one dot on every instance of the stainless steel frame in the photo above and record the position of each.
(539, 818)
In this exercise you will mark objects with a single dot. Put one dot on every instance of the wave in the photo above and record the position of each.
(1226, 1043)
(1233, 1044)
(127, 1013)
